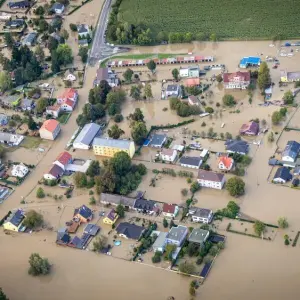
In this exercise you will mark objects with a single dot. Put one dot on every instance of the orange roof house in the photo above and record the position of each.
(192, 82)
(64, 158)
(50, 129)
(68, 99)
(225, 163)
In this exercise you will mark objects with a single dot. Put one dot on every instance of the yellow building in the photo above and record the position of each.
(111, 218)
(14, 221)
(109, 147)
(289, 76)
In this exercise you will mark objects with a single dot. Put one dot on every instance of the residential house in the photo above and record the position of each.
(189, 72)
(190, 162)
(238, 80)
(83, 213)
(250, 61)
(200, 215)
(177, 235)
(56, 36)
(54, 110)
(290, 152)
(86, 136)
(198, 236)
(250, 128)
(111, 217)
(18, 5)
(145, 206)
(76, 242)
(19, 170)
(115, 200)
(109, 147)
(78, 165)
(130, 231)
(12, 100)
(191, 82)
(193, 100)
(3, 119)
(83, 31)
(63, 159)
(11, 139)
(211, 179)
(58, 8)
(54, 173)
(83, 43)
(237, 146)
(14, 221)
(178, 148)
(69, 76)
(168, 154)
(160, 242)
(170, 210)
(289, 76)
(50, 130)
(204, 153)
(29, 39)
(108, 75)
(4, 17)
(297, 171)
(173, 90)
(158, 140)
(225, 163)
(27, 104)
(63, 238)
(91, 229)
(16, 23)
(68, 99)
(282, 175)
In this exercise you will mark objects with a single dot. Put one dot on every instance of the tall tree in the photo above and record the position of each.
(175, 73)
(5, 81)
(65, 34)
(115, 132)
(39, 52)
(52, 43)
(55, 65)
(151, 65)
(121, 163)
(139, 132)
(8, 39)
(64, 53)
(83, 53)
(2, 295)
(137, 115)
(128, 75)
(38, 265)
(135, 92)
(41, 105)
(148, 91)
(264, 78)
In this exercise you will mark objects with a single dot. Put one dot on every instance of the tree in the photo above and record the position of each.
(135, 92)
(165, 222)
(80, 179)
(39, 11)
(148, 91)
(2, 151)
(151, 65)
(93, 169)
(121, 163)
(192, 249)
(83, 53)
(288, 98)
(187, 268)
(52, 43)
(194, 187)
(271, 137)
(219, 78)
(41, 105)
(128, 75)
(8, 39)
(73, 27)
(283, 223)
(64, 33)
(64, 53)
(235, 186)
(118, 118)
(33, 219)
(99, 243)
(184, 192)
(264, 78)
(39, 53)
(157, 257)
(175, 73)
(115, 132)
(12, 123)
(283, 111)
(169, 250)
(2, 295)
(228, 100)
(120, 210)
(276, 118)
(259, 227)
(213, 37)
(192, 291)
(55, 65)
(139, 132)
(31, 123)
(213, 251)
(209, 110)
(38, 265)
(137, 116)
(5, 81)
(43, 25)
(40, 193)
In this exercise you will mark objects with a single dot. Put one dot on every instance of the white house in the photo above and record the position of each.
(170, 210)
(83, 31)
(54, 111)
(58, 8)
(160, 242)
(68, 105)
(201, 215)
(173, 90)
(19, 171)
(69, 76)
(69, 98)
(291, 151)
(225, 163)
(168, 154)
(184, 72)
(211, 179)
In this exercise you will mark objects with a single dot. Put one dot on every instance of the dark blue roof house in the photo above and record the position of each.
(237, 146)
(18, 4)
(282, 175)
(291, 151)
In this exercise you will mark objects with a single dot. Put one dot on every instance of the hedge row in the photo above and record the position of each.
(243, 233)
(296, 239)
(77, 7)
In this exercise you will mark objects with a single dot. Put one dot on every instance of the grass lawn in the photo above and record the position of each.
(63, 118)
(231, 19)
(31, 142)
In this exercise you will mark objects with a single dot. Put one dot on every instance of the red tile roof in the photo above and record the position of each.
(50, 125)
(169, 208)
(68, 93)
(192, 82)
(54, 107)
(69, 102)
(64, 157)
(227, 161)
(243, 76)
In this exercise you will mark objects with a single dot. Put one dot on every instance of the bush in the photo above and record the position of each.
(209, 109)
(91, 192)
(165, 223)
(259, 227)
(283, 223)
(33, 219)
(118, 118)
(38, 265)
(228, 100)
(235, 186)
(186, 267)
(199, 260)
(40, 193)
(184, 192)
(92, 200)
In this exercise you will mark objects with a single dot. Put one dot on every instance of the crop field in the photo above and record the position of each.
(230, 19)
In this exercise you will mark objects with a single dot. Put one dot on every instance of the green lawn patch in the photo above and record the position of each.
(31, 142)
(63, 118)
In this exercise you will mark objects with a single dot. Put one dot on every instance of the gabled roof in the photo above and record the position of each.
(117, 199)
(87, 134)
(190, 160)
(16, 218)
(111, 215)
(250, 127)
(193, 99)
(58, 6)
(107, 142)
(56, 171)
(283, 173)
(50, 125)
(226, 161)
(158, 139)
(63, 238)
(210, 176)
(291, 149)
(177, 233)
(83, 211)
(144, 204)
(68, 93)
(243, 76)
(192, 81)
(64, 158)
(200, 212)
(237, 146)
(173, 88)
(169, 208)
(77, 242)
(91, 229)
(131, 231)
(168, 152)
(83, 28)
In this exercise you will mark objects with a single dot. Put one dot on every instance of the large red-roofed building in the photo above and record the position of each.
(238, 80)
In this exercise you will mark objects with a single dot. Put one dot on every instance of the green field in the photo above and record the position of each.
(230, 19)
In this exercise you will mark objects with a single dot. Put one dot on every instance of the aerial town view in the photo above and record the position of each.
(149, 149)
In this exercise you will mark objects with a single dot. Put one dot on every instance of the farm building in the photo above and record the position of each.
(250, 61)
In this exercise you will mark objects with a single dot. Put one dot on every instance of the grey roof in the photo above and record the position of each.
(292, 149)
(26, 102)
(190, 160)
(16, 217)
(117, 199)
(15, 23)
(56, 171)
(210, 176)
(237, 146)
(57, 5)
(160, 241)
(198, 235)
(3, 118)
(91, 229)
(19, 4)
(297, 171)
(147, 205)
(30, 38)
(283, 173)
(63, 238)
(77, 242)
(83, 42)
(8, 137)
(106, 142)
(11, 99)
(177, 233)
(87, 134)
(131, 231)
(158, 140)
(172, 87)
(200, 212)
(83, 28)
